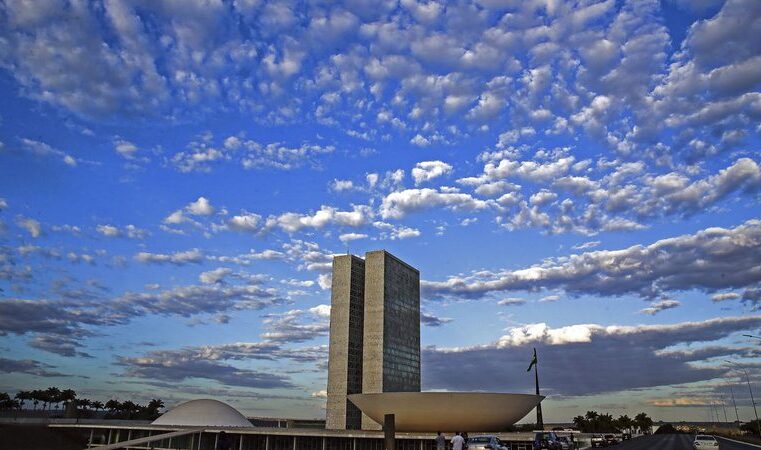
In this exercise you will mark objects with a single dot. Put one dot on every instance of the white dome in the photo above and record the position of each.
(201, 413)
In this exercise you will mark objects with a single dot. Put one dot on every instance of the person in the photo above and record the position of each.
(464, 440)
(441, 441)
(223, 443)
(457, 442)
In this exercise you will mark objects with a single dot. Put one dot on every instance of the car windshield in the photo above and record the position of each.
(705, 438)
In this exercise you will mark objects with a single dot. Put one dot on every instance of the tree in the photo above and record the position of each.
(23, 396)
(751, 427)
(97, 405)
(67, 395)
(624, 422)
(643, 422)
(581, 423)
(53, 395)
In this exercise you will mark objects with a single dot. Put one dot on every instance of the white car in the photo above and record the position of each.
(705, 441)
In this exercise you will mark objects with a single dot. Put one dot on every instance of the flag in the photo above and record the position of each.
(533, 362)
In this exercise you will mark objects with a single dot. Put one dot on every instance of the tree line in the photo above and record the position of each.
(53, 397)
(594, 422)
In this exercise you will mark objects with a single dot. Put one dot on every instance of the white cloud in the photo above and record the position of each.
(31, 226)
(177, 258)
(245, 221)
(397, 205)
(348, 237)
(674, 264)
(200, 207)
(214, 276)
(428, 170)
(660, 305)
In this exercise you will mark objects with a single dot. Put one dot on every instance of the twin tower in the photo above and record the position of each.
(374, 334)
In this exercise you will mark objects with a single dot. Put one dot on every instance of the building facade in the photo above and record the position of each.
(374, 333)
(345, 347)
(391, 343)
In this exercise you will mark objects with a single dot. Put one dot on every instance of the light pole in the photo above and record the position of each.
(752, 400)
(732, 393)
(751, 336)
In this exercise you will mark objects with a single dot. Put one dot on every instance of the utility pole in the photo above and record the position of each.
(752, 400)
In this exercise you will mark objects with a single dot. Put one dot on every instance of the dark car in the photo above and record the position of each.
(547, 440)
(611, 439)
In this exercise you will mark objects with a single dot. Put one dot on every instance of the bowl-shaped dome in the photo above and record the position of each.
(447, 411)
(202, 413)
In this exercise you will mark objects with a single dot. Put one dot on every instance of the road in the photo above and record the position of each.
(674, 442)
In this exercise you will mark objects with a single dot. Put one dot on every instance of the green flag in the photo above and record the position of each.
(533, 362)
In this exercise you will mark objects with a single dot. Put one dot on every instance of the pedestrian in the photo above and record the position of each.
(441, 441)
(223, 442)
(457, 442)
(464, 440)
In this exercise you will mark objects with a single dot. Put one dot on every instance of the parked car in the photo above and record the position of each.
(567, 443)
(598, 441)
(547, 440)
(487, 442)
(705, 441)
(611, 439)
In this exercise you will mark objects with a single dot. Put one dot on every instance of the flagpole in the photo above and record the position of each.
(539, 419)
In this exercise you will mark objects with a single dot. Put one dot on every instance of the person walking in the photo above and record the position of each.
(441, 441)
(457, 442)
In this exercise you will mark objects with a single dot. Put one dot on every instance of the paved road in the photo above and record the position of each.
(673, 442)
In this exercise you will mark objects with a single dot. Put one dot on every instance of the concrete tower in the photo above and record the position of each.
(345, 351)
(391, 342)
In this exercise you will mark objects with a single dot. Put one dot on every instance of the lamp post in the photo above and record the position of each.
(752, 400)
(732, 393)
(752, 337)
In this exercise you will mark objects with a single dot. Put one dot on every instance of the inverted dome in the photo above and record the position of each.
(447, 411)
(202, 413)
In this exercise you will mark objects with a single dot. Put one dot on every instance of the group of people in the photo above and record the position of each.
(459, 441)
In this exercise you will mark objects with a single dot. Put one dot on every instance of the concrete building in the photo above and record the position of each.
(391, 343)
(374, 333)
(347, 301)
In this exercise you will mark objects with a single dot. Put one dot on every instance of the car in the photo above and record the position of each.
(705, 441)
(611, 439)
(487, 442)
(598, 440)
(547, 440)
(567, 443)
(625, 436)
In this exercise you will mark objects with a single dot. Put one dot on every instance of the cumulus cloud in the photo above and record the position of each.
(397, 205)
(428, 170)
(348, 237)
(31, 226)
(130, 231)
(709, 260)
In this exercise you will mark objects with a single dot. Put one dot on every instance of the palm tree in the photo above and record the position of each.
(67, 395)
(53, 395)
(97, 404)
(23, 396)
(643, 422)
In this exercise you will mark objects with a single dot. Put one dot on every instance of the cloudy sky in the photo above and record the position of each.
(578, 177)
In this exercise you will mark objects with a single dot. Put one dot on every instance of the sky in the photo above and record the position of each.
(577, 177)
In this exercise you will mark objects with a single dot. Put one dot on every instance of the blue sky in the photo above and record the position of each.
(579, 177)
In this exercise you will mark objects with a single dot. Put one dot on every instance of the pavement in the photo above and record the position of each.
(675, 442)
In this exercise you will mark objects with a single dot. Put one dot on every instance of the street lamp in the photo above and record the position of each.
(747, 378)
(752, 337)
